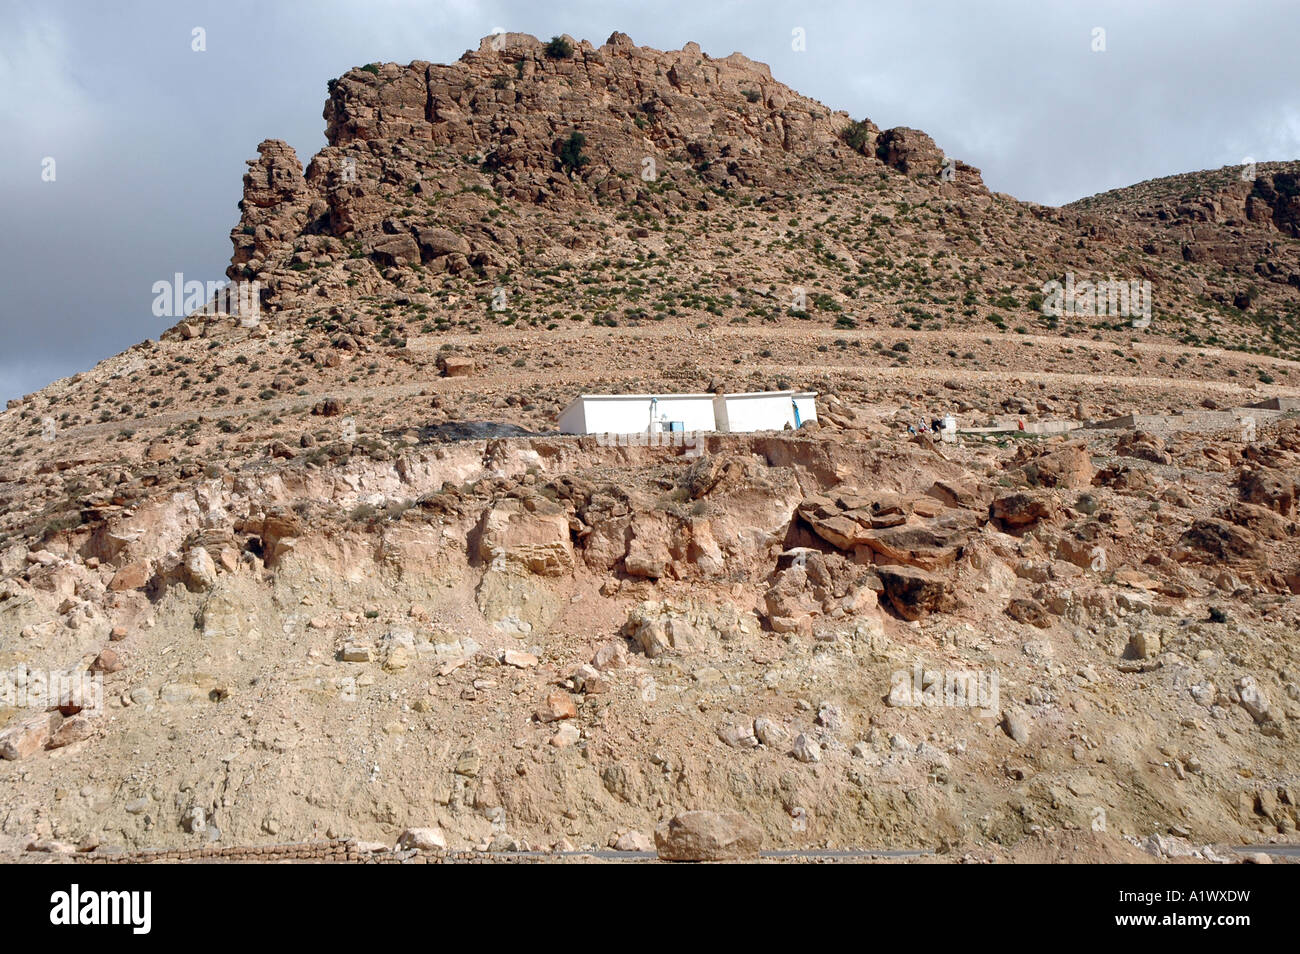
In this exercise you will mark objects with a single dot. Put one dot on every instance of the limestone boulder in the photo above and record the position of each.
(28, 736)
(708, 836)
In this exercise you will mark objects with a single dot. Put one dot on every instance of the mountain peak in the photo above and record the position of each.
(559, 124)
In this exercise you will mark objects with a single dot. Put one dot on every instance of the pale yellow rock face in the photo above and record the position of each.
(535, 541)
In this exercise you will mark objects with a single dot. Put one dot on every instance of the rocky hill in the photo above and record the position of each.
(487, 185)
(1263, 194)
(341, 578)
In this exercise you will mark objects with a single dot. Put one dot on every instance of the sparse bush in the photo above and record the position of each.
(571, 154)
(558, 48)
(857, 135)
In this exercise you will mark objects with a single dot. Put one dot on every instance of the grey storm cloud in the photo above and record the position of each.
(149, 136)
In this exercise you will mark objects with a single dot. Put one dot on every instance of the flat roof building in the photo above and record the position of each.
(666, 413)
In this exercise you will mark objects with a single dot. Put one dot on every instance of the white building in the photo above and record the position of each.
(667, 413)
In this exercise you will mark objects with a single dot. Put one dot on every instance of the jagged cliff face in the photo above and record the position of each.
(1236, 217)
(1234, 196)
(420, 155)
(444, 183)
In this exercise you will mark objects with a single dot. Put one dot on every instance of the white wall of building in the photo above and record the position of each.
(574, 418)
(654, 414)
(637, 414)
(768, 412)
(695, 412)
(807, 407)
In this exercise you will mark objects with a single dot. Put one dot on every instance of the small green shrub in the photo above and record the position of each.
(857, 135)
(558, 48)
(571, 155)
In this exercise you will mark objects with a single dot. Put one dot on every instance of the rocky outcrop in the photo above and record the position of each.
(1018, 510)
(883, 527)
(1213, 539)
(1268, 488)
(513, 109)
(663, 627)
(1275, 198)
(275, 208)
(909, 151)
(531, 534)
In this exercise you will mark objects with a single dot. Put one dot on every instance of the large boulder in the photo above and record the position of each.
(1268, 489)
(398, 250)
(1218, 540)
(1258, 520)
(1018, 510)
(708, 836)
(436, 242)
(200, 570)
(1068, 466)
(1143, 445)
(789, 601)
(966, 491)
(29, 736)
(423, 839)
(713, 475)
(132, 576)
(930, 544)
(454, 367)
(912, 592)
(881, 524)
(649, 546)
(1028, 611)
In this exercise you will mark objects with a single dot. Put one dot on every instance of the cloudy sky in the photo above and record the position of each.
(149, 137)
